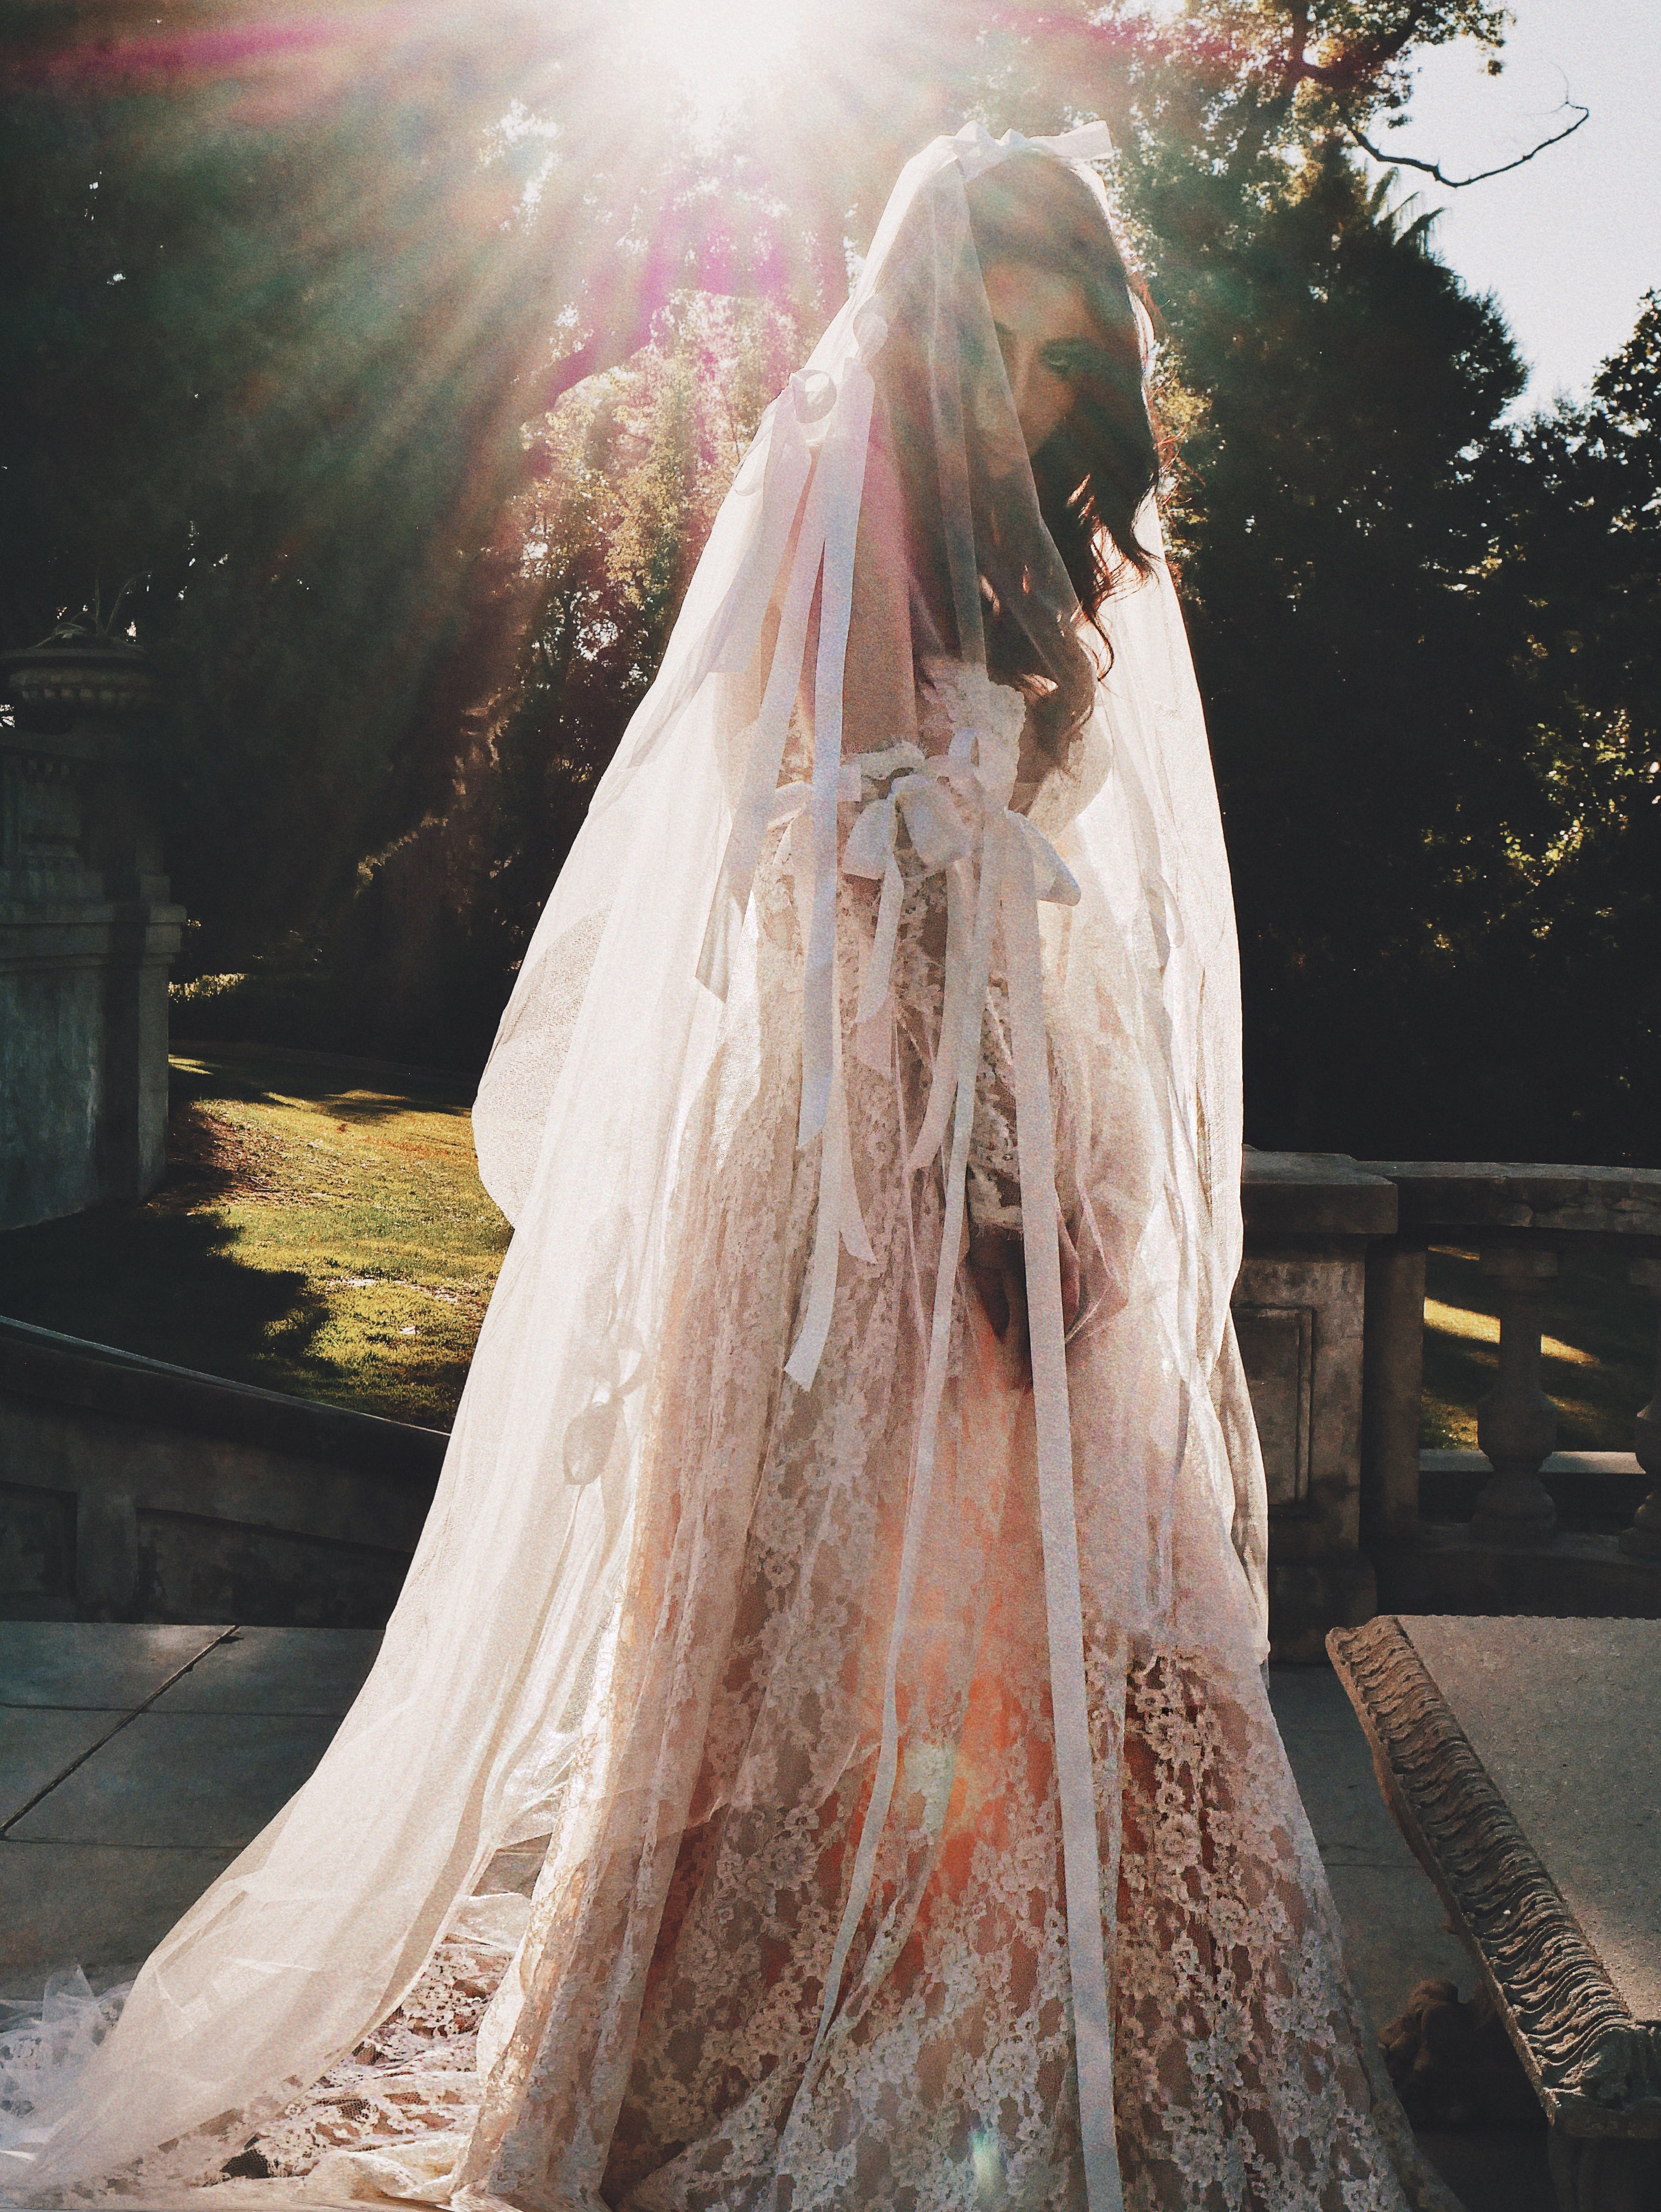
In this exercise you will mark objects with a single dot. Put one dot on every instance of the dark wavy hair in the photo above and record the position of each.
(1091, 475)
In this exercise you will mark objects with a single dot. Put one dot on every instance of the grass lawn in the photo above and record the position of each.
(1599, 1364)
(322, 1230)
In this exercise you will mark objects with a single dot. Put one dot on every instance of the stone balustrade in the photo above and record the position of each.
(1312, 1220)
(129, 1489)
(1643, 1540)
(1513, 1555)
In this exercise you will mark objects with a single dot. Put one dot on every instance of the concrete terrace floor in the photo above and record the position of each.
(135, 1762)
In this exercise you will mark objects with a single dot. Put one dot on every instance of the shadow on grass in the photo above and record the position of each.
(1598, 1368)
(149, 1278)
(365, 1091)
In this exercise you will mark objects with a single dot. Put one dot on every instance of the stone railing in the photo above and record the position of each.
(1300, 1313)
(132, 1490)
(1330, 1311)
(1513, 1554)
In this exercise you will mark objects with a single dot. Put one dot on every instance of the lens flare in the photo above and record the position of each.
(987, 2158)
(717, 48)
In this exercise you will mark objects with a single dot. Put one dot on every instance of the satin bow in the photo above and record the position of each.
(938, 837)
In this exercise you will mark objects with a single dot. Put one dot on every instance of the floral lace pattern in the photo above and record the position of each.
(1241, 2075)
(417, 2075)
(1240, 2078)
(666, 2037)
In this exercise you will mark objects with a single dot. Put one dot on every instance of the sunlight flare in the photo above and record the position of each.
(718, 47)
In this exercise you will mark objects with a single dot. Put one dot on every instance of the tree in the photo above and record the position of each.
(406, 609)
(622, 481)
(1330, 527)
(278, 297)
(1576, 593)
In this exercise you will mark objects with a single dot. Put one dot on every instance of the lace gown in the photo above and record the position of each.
(654, 2043)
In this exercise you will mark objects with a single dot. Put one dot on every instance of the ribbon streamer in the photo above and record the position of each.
(999, 869)
(1017, 870)
(1092, 2034)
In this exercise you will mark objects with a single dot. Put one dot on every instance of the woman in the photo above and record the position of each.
(847, 1576)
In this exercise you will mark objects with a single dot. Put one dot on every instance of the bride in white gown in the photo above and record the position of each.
(845, 1584)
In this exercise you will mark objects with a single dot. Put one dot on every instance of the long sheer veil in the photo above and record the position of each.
(1115, 896)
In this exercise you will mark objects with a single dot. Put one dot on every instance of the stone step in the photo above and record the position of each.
(137, 1491)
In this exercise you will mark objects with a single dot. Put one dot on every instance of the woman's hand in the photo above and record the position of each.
(997, 1268)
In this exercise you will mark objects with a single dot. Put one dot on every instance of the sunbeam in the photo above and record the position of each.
(717, 48)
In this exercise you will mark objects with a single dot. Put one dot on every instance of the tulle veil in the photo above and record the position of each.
(460, 1740)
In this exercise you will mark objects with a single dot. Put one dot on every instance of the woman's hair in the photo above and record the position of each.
(1091, 475)
(1094, 471)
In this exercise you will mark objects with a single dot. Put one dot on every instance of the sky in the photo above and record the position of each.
(1569, 243)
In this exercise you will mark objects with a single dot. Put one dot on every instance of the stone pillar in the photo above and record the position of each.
(1392, 1393)
(1516, 1422)
(86, 934)
(1643, 1540)
(1298, 1313)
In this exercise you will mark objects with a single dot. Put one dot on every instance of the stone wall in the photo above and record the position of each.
(130, 1490)
(134, 1491)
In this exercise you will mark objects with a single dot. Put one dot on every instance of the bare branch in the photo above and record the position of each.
(1458, 183)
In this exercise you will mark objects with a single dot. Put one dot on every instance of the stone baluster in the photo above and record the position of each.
(1392, 1393)
(1643, 1540)
(1516, 1422)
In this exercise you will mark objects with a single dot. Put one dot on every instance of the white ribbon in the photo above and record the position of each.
(938, 838)
(998, 869)
(1092, 2034)
(825, 544)
(951, 808)
(838, 1220)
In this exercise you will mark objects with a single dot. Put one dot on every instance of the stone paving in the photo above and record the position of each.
(1395, 1931)
(136, 1761)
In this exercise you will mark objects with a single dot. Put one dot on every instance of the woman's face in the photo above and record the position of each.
(1044, 332)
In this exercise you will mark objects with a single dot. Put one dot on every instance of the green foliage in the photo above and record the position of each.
(1575, 594)
(1364, 720)
(172, 413)
(631, 471)
(436, 340)
(623, 480)
(278, 294)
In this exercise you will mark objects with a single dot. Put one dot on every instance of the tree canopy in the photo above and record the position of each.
(407, 354)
